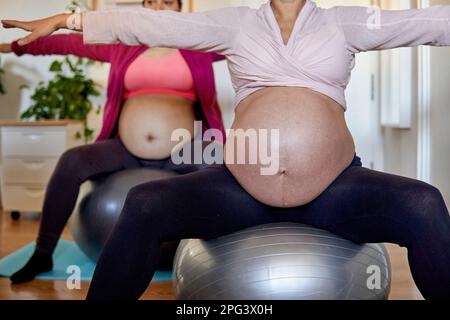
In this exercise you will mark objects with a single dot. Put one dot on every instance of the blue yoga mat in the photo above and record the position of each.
(66, 254)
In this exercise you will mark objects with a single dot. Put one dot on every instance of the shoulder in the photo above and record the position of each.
(229, 16)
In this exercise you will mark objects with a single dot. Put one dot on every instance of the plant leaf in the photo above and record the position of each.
(56, 66)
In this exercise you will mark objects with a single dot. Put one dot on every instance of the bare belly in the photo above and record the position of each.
(315, 145)
(147, 122)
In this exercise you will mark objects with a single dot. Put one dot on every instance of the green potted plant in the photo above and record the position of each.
(66, 96)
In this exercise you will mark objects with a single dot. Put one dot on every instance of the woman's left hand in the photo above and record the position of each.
(38, 28)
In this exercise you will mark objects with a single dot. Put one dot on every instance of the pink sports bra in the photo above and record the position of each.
(168, 74)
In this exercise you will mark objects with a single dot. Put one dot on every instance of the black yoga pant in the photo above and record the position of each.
(82, 163)
(362, 205)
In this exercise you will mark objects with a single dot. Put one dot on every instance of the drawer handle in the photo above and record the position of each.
(34, 192)
(33, 161)
(34, 164)
(33, 136)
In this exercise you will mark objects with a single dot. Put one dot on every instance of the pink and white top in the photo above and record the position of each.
(319, 55)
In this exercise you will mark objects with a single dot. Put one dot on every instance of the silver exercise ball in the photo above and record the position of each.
(99, 205)
(282, 261)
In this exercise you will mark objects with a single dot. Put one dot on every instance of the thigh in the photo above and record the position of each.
(205, 204)
(365, 205)
(99, 158)
(194, 156)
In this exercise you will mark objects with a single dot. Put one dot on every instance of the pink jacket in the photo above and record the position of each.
(320, 54)
(121, 56)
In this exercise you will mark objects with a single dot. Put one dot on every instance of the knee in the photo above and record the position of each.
(70, 162)
(145, 203)
(426, 207)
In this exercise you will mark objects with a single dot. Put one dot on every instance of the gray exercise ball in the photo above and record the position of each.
(281, 261)
(99, 205)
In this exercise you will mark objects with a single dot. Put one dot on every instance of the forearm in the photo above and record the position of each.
(64, 44)
(55, 44)
(60, 21)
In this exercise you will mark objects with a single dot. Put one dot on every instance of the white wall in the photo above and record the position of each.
(401, 146)
(27, 70)
(440, 117)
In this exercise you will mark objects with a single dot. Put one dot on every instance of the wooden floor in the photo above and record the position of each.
(15, 234)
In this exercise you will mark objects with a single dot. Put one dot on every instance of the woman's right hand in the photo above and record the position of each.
(38, 28)
(5, 48)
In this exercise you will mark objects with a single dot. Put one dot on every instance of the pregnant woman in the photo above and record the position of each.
(290, 63)
(151, 92)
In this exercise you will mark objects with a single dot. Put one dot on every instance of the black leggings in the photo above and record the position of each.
(78, 165)
(362, 205)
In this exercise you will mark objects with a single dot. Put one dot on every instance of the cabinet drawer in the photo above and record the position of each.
(48, 142)
(23, 198)
(23, 170)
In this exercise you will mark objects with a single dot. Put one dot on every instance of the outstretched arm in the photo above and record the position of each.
(212, 31)
(65, 44)
(374, 29)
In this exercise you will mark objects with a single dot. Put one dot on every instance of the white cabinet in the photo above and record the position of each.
(29, 154)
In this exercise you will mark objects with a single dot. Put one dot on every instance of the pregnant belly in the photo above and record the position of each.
(147, 122)
(313, 145)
